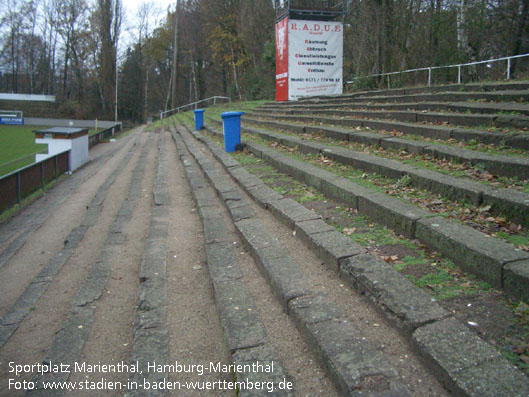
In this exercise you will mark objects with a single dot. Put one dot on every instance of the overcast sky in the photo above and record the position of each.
(130, 7)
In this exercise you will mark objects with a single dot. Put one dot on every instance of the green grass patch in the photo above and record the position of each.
(17, 147)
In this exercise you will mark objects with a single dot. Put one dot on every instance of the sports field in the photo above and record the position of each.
(17, 147)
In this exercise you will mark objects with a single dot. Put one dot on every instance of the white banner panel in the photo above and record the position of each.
(315, 58)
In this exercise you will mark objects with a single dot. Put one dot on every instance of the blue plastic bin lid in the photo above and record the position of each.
(200, 110)
(231, 114)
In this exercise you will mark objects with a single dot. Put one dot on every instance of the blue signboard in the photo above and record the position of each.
(12, 120)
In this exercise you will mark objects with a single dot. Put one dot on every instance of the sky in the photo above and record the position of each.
(131, 10)
(132, 5)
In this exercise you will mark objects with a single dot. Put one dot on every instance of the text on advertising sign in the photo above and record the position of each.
(315, 58)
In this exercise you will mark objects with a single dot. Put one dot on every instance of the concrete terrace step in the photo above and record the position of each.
(74, 332)
(461, 107)
(151, 337)
(488, 258)
(501, 165)
(520, 140)
(445, 96)
(466, 364)
(472, 120)
(10, 321)
(507, 202)
(32, 218)
(244, 330)
(349, 359)
(473, 87)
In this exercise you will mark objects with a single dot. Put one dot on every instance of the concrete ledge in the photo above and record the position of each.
(472, 250)
(354, 365)
(475, 252)
(239, 317)
(290, 212)
(513, 203)
(452, 187)
(222, 263)
(501, 165)
(351, 361)
(333, 247)
(467, 364)
(392, 212)
(244, 332)
(334, 341)
(405, 304)
(265, 357)
(516, 279)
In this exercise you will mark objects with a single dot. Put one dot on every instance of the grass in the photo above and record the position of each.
(17, 147)
(443, 279)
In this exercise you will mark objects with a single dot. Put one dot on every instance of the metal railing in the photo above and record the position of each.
(177, 110)
(459, 67)
(101, 136)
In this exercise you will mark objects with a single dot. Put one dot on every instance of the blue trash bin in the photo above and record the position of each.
(199, 119)
(232, 130)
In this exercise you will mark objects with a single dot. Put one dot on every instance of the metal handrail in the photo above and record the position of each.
(162, 114)
(458, 66)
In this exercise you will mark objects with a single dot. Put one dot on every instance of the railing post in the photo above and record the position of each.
(42, 175)
(458, 74)
(429, 77)
(508, 68)
(389, 83)
(19, 200)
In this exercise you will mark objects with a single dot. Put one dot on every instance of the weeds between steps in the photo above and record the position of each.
(497, 319)
(473, 144)
(478, 218)
(448, 167)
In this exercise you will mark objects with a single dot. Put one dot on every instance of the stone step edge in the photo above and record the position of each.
(520, 141)
(69, 341)
(490, 259)
(497, 96)
(244, 332)
(348, 358)
(150, 341)
(457, 107)
(508, 202)
(470, 87)
(502, 165)
(413, 116)
(455, 337)
(405, 305)
(16, 313)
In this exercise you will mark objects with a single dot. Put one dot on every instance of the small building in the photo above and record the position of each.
(61, 139)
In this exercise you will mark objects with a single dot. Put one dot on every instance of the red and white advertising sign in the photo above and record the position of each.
(282, 60)
(315, 58)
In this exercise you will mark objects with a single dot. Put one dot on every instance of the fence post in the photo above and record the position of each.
(458, 74)
(429, 77)
(56, 167)
(508, 68)
(19, 200)
(42, 175)
(389, 83)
